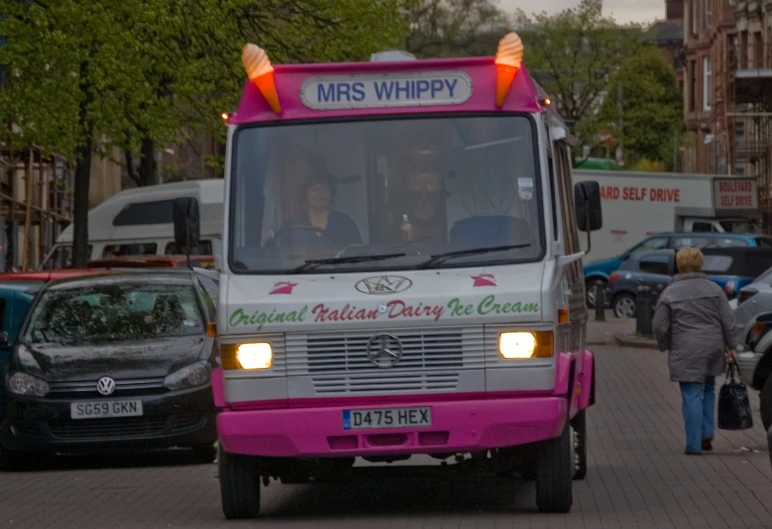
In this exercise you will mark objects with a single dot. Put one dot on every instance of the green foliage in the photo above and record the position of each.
(651, 108)
(574, 53)
(454, 28)
(644, 165)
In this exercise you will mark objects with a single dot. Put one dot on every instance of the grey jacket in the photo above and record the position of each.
(694, 322)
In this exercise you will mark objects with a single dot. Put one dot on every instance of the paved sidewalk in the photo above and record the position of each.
(599, 333)
(638, 478)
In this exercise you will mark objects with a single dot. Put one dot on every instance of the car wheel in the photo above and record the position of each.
(239, 485)
(589, 287)
(624, 305)
(765, 404)
(555, 473)
(205, 453)
(579, 424)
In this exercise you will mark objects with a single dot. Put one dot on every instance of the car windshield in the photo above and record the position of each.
(392, 191)
(114, 312)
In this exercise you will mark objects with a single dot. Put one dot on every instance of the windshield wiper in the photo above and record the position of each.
(441, 258)
(313, 263)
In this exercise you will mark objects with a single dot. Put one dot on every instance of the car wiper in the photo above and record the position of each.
(441, 258)
(313, 263)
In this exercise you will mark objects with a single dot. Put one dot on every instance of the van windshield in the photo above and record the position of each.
(393, 192)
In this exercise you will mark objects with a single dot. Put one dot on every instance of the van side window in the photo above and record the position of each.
(570, 230)
(115, 250)
(157, 212)
(205, 248)
(553, 196)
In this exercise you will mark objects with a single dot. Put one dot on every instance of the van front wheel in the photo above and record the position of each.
(555, 473)
(239, 485)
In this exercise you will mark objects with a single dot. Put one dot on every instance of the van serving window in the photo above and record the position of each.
(157, 212)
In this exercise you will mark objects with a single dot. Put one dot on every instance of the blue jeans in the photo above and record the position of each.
(699, 408)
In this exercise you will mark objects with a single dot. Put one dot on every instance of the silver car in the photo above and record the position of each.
(754, 327)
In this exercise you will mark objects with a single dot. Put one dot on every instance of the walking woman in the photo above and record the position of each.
(695, 324)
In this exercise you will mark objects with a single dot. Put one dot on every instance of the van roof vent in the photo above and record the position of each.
(392, 56)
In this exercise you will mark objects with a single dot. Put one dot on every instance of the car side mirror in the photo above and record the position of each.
(187, 223)
(589, 214)
(3, 338)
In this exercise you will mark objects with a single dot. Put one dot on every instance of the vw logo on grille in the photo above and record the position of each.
(384, 350)
(106, 386)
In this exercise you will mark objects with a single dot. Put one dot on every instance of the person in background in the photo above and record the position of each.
(318, 196)
(694, 323)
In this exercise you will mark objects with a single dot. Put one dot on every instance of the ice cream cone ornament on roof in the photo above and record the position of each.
(260, 71)
(509, 58)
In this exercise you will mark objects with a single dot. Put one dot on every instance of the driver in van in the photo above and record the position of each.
(319, 223)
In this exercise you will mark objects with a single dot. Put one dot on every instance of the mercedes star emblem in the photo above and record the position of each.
(106, 386)
(384, 350)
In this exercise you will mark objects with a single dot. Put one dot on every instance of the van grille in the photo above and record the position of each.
(432, 360)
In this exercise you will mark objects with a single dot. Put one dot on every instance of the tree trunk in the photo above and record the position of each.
(148, 171)
(80, 253)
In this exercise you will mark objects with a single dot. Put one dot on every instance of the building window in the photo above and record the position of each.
(758, 50)
(695, 18)
(692, 102)
(708, 13)
(739, 132)
(707, 84)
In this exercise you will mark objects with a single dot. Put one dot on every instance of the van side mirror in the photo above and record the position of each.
(589, 216)
(187, 223)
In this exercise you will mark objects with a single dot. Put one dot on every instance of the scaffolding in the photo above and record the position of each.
(35, 204)
(749, 124)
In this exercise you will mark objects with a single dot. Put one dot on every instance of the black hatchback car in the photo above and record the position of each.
(116, 361)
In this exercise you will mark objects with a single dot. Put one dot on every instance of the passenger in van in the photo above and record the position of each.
(318, 195)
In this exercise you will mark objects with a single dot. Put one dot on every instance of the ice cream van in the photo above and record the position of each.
(402, 277)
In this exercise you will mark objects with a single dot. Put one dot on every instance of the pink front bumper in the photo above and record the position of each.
(457, 426)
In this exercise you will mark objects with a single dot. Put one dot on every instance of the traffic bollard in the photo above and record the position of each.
(643, 312)
(600, 301)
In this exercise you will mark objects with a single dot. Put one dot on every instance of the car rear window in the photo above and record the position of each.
(763, 242)
(717, 264)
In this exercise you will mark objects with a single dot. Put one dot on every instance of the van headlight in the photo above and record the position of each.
(21, 383)
(250, 356)
(519, 345)
(189, 376)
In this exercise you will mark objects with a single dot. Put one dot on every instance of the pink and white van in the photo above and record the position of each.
(401, 277)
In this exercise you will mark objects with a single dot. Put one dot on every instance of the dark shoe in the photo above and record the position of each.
(689, 453)
(707, 445)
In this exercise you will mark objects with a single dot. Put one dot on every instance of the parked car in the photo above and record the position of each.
(652, 269)
(16, 293)
(730, 267)
(120, 360)
(599, 272)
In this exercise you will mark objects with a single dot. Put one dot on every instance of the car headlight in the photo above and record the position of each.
(189, 376)
(525, 344)
(23, 384)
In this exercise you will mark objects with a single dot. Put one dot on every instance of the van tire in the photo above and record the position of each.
(579, 424)
(239, 485)
(555, 473)
(765, 404)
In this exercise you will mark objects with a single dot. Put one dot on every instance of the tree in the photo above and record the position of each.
(87, 76)
(197, 72)
(454, 28)
(576, 52)
(652, 115)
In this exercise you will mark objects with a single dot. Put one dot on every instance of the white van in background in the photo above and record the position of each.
(139, 222)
